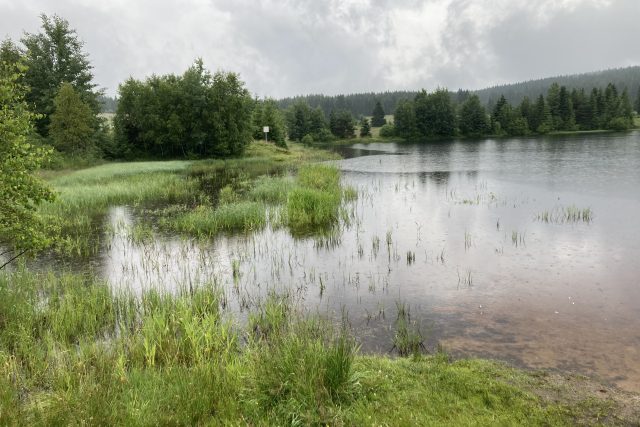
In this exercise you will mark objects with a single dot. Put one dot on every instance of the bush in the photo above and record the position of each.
(619, 124)
(324, 135)
(387, 130)
(307, 139)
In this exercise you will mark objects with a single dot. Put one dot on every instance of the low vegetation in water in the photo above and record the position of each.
(210, 196)
(566, 214)
(74, 352)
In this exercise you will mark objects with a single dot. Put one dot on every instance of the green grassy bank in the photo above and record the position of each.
(71, 352)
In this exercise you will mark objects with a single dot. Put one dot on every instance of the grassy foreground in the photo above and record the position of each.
(71, 352)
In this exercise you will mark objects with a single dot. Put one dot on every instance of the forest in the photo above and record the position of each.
(435, 115)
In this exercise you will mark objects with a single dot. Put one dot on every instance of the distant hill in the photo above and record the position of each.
(628, 77)
(363, 103)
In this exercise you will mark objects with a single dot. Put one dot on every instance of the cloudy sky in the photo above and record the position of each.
(290, 47)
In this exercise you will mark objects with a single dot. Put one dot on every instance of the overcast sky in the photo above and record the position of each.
(290, 47)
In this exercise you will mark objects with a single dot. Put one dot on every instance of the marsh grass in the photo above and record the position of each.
(74, 352)
(206, 221)
(407, 339)
(314, 204)
(75, 221)
(566, 214)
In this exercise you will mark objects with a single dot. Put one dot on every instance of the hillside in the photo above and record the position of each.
(363, 103)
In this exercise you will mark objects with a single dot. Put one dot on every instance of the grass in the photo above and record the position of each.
(75, 220)
(315, 202)
(72, 352)
(566, 214)
(205, 221)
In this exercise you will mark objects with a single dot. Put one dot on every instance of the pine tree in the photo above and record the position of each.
(377, 119)
(626, 109)
(582, 109)
(544, 122)
(565, 110)
(365, 129)
(637, 105)
(473, 117)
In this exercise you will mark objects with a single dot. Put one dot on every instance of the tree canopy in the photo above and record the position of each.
(196, 114)
(53, 57)
(21, 228)
(71, 123)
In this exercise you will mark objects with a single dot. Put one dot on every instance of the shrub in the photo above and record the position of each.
(387, 130)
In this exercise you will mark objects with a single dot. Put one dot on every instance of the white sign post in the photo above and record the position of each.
(265, 129)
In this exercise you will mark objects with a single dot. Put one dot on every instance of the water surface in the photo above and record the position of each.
(450, 229)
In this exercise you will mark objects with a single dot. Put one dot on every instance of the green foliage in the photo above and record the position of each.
(473, 118)
(341, 124)
(388, 130)
(72, 351)
(10, 55)
(53, 57)
(70, 127)
(435, 114)
(303, 121)
(267, 113)
(377, 119)
(365, 129)
(21, 227)
(404, 120)
(206, 221)
(194, 115)
(314, 204)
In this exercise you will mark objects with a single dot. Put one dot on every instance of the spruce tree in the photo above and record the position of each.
(365, 129)
(565, 110)
(473, 117)
(377, 119)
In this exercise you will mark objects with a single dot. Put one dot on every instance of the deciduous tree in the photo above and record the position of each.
(21, 228)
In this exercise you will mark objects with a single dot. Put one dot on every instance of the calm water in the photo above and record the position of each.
(488, 278)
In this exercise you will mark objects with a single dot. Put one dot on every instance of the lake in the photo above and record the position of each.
(523, 250)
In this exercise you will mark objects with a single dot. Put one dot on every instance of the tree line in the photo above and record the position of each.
(435, 115)
(361, 104)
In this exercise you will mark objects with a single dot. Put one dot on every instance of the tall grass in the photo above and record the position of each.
(314, 204)
(207, 221)
(74, 352)
(566, 214)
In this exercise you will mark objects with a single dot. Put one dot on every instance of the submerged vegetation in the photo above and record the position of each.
(71, 351)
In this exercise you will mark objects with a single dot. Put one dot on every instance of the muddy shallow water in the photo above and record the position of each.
(452, 230)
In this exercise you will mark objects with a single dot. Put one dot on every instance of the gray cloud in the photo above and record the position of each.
(290, 47)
